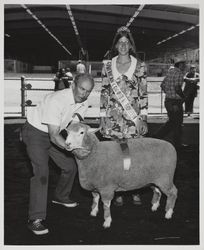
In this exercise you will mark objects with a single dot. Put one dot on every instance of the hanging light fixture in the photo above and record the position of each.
(177, 34)
(75, 28)
(137, 12)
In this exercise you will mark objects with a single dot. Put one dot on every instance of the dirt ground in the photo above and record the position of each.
(132, 225)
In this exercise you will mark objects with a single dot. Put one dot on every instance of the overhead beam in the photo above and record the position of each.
(141, 22)
(147, 13)
(65, 29)
(170, 16)
(109, 10)
(113, 20)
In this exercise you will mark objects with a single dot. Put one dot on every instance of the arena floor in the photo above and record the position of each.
(132, 225)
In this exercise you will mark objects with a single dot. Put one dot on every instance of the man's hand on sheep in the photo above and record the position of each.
(143, 128)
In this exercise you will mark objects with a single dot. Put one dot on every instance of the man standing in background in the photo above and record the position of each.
(172, 87)
(80, 68)
(191, 80)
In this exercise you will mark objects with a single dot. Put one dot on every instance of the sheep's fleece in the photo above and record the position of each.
(101, 169)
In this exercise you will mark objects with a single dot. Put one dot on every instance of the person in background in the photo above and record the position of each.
(43, 139)
(80, 68)
(171, 64)
(130, 75)
(62, 79)
(68, 74)
(174, 98)
(191, 80)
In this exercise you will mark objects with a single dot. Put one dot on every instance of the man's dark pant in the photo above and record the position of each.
(190, 91)
(39, 149)
(189, 104)
(174, 124)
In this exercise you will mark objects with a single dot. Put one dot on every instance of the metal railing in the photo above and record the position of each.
(26, 85)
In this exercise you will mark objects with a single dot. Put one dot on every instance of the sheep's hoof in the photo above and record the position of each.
(155, 206)
(94, 213)
(169, 214)
(107, 223)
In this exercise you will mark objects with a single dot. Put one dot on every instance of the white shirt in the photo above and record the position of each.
(81, 68)
(57, 109)
(129, 72)
(69, 74)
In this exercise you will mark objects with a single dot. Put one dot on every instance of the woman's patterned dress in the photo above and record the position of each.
(115, 122)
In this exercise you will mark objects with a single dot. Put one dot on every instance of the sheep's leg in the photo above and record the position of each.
(107, 213)
(94, 207)
(170, 203)
(156, 198)
(106, 199)
(171, 194)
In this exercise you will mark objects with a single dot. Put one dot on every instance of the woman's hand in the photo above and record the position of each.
(141, 126)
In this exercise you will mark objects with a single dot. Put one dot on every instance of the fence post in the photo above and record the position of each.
(23, 96)
(161, 102)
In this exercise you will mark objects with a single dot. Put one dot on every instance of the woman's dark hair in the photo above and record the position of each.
(123, 31)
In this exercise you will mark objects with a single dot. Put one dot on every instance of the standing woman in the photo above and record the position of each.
(129, 76)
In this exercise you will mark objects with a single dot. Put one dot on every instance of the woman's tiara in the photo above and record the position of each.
(123, 28)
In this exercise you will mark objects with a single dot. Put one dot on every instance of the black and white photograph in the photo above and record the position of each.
(101, 124)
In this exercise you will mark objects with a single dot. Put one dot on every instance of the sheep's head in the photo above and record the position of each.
(79, 140)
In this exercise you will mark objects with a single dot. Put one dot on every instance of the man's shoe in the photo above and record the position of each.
(37, 227)
(118, 202)
(67, 203)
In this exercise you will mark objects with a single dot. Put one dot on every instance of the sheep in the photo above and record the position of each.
(101, 169)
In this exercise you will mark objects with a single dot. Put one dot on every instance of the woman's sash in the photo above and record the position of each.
(120, 95)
